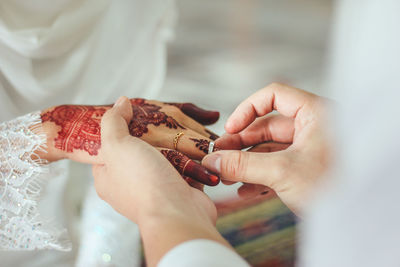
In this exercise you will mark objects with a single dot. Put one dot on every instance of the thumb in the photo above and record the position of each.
(248, 167)
(114, 124)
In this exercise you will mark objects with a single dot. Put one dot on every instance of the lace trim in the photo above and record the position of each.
(21, 181)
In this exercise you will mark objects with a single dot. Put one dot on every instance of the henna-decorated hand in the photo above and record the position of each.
(134, 172)
(73, 132)
(139, 182)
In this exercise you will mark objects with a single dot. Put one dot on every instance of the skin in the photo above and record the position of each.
(167, 210)
(288, 153)
(74, 132)
(295, 156)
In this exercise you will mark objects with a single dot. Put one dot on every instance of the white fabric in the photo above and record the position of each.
(86, 52)
(107, 238)
(200, 253)
(21, 226)
(80, 52)
(356, 219)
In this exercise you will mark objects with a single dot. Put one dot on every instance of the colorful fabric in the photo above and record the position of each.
(262, 230)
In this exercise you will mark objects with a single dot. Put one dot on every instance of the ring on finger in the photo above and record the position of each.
(211, 147)
(176, 139)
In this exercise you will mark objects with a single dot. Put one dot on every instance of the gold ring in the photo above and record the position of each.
(176, 139)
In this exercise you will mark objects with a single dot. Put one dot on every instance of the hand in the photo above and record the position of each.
(74, 132)
(298, 151)
(139, 182)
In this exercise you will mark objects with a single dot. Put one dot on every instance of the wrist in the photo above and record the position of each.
(160, 234)
(51, 153)
(166, 216)
(185, 222)
(181, 205)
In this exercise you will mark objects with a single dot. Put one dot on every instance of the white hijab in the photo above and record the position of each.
(80, 51)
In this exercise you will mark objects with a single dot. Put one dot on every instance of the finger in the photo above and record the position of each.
(252, 190)
(185, 121)
(194, 183)
(226, 182)
(202, 116)
(249, 167)
(275, 128)
(269, 147)
(190, 143)
(152, 116)
(266, 147)
(187, 167)
(213, 136)
(114, 123)
(285, 99)
(192, 124)
(201, 147)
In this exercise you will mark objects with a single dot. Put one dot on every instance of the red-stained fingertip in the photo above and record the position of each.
(229, 127)
(201, 174)
(214, 179)
(201, 115)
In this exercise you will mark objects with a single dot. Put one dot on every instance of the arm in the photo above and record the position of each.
(163, 233)
(74, 132)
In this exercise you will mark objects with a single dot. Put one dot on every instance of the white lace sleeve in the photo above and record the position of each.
(21, 180)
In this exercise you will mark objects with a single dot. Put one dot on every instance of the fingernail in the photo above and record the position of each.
(201, 174)
(213, 162)
(119, 101)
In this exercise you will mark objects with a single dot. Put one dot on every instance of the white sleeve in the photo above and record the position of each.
(200, 253)
(356, 219)
(21, 181)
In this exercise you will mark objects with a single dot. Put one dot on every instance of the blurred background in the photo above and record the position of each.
(224, 50)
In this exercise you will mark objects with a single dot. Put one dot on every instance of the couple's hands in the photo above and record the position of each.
(289, 152)
(142, 185)
(295, 138)
(135, 178)
(298, 151)
(73, 132)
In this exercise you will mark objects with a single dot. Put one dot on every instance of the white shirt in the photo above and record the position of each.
(201, 252)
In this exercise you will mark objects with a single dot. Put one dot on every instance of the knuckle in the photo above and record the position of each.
(275, 85)
(234, 164)
(173, 111)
